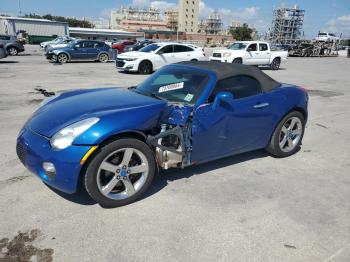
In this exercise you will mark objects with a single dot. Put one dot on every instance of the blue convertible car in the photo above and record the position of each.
(114, 140)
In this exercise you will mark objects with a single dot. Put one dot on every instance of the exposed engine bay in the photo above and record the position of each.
(172, 144)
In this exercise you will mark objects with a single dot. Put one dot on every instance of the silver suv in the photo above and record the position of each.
(11, 44)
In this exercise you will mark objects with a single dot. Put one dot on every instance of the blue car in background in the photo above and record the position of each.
(81, 50)
(113, 140)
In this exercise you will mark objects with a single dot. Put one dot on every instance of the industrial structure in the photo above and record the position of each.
(37, 30)
(287, 24)
(136, 19)
(188, 16)
(212, 25)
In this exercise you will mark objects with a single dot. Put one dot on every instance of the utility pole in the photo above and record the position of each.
(19, 7)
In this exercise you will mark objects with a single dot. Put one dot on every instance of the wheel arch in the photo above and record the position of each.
(136, 134)
(66, 53)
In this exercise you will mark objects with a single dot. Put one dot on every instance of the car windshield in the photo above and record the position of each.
(237, 46)
(174, 85)
(322, 34)
(57, 40)
(149, 48)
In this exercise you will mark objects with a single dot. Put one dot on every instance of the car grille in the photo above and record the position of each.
(120, 63)
(21, 151)
(216, 54)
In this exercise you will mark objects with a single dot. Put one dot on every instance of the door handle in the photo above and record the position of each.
(261, 105)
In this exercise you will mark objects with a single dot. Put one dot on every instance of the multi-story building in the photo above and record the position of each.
(172, 18)
(188, 16)
(136, 19)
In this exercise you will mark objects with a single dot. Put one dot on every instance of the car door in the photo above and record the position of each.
(79, 51)
(241, 124)
(93, 49)
(264, 54)
(250, 54)
(164, 56)
(182, 53)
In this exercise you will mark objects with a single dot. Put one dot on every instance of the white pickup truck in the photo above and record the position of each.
(251, 53)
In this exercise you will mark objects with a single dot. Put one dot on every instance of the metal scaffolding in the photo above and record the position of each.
(212, 25)
(286, 25)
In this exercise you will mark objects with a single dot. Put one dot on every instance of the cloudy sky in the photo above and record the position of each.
(324, 15)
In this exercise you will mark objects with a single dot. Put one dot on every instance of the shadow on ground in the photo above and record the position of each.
(161, 181)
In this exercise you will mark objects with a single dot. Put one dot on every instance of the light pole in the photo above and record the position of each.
(19, 7)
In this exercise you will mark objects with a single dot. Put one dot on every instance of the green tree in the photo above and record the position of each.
(242, 33)
(72, 22)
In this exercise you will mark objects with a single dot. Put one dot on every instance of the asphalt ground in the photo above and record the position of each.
(250, 207)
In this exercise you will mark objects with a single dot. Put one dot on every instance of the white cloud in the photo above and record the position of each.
(339, 25)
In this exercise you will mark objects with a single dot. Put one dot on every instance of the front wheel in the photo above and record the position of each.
(287, 137)
(145, 67)
(237, 61)
(120, 173)
(62, 58)
(12, 51)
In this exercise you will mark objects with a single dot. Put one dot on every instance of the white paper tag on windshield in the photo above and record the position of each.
(171, 87)
(188, 97)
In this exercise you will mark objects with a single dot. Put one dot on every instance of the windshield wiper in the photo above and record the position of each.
(156, 96)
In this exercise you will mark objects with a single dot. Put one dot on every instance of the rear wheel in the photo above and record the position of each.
(62, 58)
(12, 51)
(288, 135)
(103, 58)
(145, 67)
(120, 173)
(275, 65)
(237, 61)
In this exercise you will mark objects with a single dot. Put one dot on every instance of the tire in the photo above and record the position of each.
(237, 61)
(125, 185)
(12, 51)
(194, 59)
(62, 58)
(145, 67)
(275, 65)
(287, 137)
(103, 58)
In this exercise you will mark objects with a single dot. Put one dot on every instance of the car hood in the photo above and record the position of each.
(71, 107)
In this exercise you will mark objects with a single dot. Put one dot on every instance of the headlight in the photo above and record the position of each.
(130, 59)
(66, 136)
(226, 54)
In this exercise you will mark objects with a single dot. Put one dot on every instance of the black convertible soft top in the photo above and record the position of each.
(225, 70)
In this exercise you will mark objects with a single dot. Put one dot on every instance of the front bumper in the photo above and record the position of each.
(126, 65)
(34, 149)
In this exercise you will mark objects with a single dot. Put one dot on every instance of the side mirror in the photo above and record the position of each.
(221, 97)
(160, 52)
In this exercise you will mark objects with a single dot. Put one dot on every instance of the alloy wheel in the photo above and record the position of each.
(103, 58)
(290, 134)
(62, 58)
(122, 173)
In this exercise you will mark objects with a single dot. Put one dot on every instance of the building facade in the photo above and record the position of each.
(136, 19)
(188, 16)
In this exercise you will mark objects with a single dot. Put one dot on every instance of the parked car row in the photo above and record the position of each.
(147, 56)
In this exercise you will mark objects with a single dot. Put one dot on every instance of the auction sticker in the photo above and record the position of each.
(171, 87)
(188, 97)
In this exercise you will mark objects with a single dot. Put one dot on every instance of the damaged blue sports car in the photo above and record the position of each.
(114, 140)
